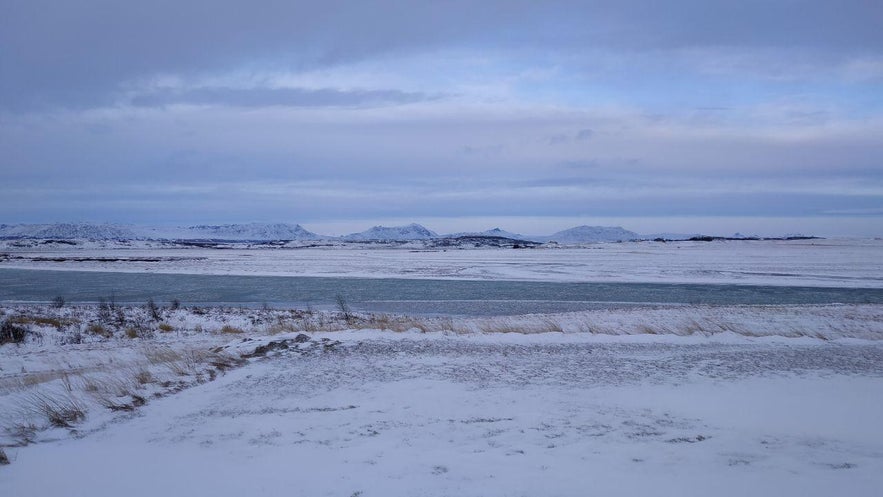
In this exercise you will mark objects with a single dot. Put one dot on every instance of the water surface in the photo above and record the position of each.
(410, 296)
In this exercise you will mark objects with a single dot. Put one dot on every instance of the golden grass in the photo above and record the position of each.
(228, 329)
(98, 329)
(57, 323)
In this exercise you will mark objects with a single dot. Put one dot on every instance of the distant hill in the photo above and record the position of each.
(395, 233)
(252, 231)
(480, 241)
(671, 236)
(283, 232)
(68, 231)
(91, 231)
(491, 232)
(591, 234)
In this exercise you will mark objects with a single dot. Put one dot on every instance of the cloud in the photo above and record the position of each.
(558, 139)
(581, 135)
(83, 54)
(285, 97)
(240, 109)
(584, 134)
(579, 164)
(869, 211)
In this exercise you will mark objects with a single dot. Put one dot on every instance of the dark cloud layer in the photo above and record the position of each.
(223, 110)
(82, 54)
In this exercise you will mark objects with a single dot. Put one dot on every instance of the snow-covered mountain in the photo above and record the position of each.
(590, 234)
(274, 232)
(394, 233)
(251, 231)
(578, 234)
(671, 236)
(491, 232)
(68, 231)
(91, 231)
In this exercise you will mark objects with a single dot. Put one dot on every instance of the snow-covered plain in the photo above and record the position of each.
(653, 400)
(831, 263)
(688, 400)
(379, 413)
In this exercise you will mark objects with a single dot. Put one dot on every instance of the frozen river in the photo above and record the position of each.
(398, 295)
(452, 282)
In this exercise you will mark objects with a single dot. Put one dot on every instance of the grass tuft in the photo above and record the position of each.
(60, 411)
(40, 321)
(143, 377)
(100, 330)
(12, 333)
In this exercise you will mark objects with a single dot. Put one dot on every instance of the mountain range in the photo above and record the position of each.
(264, 232)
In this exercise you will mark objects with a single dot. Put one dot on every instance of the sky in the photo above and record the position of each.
(763, 117)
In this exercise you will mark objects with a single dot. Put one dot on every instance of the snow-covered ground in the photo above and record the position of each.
(685, 400)
(652, 400)
(380, 413)
(831, 263)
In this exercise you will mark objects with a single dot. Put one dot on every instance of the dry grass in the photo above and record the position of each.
(143, 377)
(391, 323)
(23, 433)
(57, 323)
(111, 391)
(116, 393)
(444, 324)
(27, 380)
(228, 329)
(98, 329)
(12, 333)
(118, 384)
(693, 327)
(166, 327)
(61, 411)
(302, 321)
(643, 329)
(552, 325)
(161, 355)
(184, 363)
(526, 327)
(282, 326)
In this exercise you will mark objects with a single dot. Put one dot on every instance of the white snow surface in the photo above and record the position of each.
(121, 232)
(280, 231)
(412, 231)
(829, 263)
(669, 400)
(493, 232)
(67, 231)
(251, 231)
(286, 231)
(401, 414)
(588, 234)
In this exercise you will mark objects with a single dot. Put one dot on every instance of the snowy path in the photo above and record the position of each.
(406, 414)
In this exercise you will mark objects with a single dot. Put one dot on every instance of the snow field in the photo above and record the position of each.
(832, 263)
(680, 400)
(378, 413)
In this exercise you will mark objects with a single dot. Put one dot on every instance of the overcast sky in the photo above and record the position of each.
(715, 116)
